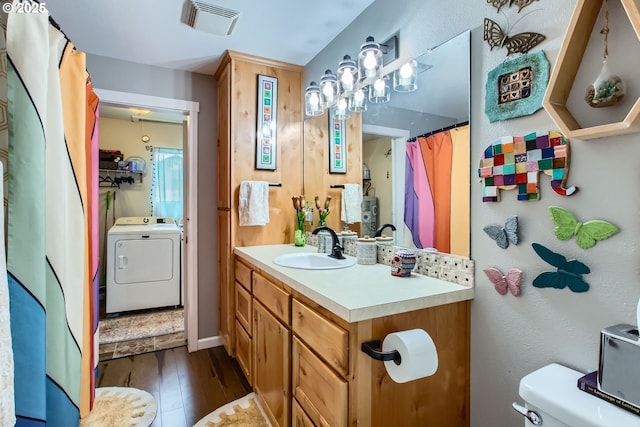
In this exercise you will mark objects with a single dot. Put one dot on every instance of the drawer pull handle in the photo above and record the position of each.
(371, 348)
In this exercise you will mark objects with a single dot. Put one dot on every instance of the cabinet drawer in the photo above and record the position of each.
(243, 275)
(243, 307)
(243, 351)
(298, 416)
(272, 297)
(326, 338)
(321, 393)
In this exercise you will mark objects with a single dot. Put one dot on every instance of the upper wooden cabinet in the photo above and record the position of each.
(237, 107)
(565, 71)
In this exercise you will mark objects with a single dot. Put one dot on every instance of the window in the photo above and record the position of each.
(167, 186)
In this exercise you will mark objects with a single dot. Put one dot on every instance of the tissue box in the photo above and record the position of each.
(619, 372)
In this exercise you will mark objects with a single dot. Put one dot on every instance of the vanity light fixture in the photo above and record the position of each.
(329, 89)
(358, 101)
(358, 82)
(347, 74)
(369, 60)
(379, 91)
(313, 101)
(405, 79)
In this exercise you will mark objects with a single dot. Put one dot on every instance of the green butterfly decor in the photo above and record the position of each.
(587, 233)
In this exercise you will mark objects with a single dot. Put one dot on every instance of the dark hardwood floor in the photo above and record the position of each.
(187, 386)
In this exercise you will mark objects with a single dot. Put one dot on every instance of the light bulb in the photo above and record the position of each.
(314, 100)
(327, 90)
(370, 61)
(406, 71)
(342, 104)
(347, 77)
(378, 85)
(358, 96)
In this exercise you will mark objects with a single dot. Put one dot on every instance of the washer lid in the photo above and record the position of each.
(554, 390)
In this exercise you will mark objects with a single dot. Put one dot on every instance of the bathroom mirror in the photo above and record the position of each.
(441, 101)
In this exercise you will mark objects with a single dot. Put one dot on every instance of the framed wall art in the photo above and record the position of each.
(515, 88)
(337, 144)
(266, 132)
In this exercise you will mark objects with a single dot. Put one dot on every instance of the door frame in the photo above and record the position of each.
(190, 222)
(398, 143)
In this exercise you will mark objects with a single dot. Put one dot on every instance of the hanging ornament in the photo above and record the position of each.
(608, 88)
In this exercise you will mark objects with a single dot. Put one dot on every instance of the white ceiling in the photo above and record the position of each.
(152, 31)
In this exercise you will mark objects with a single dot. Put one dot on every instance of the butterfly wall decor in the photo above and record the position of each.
(568, 273)
(508, 282)
(520, 3)
(518, 43)
(587, 233)
(504, 235)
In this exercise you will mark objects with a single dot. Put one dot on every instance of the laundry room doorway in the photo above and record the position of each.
(145, 110)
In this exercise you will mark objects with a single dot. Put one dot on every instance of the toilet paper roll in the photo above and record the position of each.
(418, 353)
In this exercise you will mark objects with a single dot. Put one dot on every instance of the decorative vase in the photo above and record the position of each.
(299, 238)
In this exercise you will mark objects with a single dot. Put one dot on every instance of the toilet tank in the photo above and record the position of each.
(552, 392)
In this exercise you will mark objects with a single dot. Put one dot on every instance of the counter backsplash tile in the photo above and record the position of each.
(452, 268)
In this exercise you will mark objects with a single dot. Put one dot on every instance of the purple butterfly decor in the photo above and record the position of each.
(508, 282)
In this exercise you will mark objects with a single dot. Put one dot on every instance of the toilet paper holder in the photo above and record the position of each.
(371, 348)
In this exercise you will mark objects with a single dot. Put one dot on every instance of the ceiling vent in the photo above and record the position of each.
(211, 18)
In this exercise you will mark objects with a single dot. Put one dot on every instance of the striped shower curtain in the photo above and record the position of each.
(437, 189)
(52, 223)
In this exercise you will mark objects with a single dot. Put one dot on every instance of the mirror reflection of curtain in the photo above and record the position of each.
(435, 190)
(167, 186)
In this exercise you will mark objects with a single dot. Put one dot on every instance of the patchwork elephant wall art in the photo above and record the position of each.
(514, 162)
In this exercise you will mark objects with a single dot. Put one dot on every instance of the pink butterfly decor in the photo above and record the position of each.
(510, 281)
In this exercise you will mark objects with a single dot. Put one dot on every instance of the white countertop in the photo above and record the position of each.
(360, 292)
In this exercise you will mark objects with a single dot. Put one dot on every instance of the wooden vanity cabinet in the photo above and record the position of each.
(309, 370)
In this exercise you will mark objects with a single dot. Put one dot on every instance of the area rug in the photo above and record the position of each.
(243, 412)
(121, 406)
(141, 325)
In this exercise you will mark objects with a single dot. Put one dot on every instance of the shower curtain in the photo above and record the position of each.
(435, 187)
(52, 223)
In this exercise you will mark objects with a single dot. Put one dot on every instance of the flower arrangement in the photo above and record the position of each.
(323, 212)
(301, 207)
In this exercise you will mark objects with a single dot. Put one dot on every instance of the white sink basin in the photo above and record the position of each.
(312, 261)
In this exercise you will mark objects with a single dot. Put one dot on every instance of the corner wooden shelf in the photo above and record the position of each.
(564, 73)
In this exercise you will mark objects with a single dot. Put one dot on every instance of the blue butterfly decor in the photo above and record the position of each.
(506, 234)
(568, 273)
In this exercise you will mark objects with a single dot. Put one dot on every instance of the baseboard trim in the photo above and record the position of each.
(209, 342)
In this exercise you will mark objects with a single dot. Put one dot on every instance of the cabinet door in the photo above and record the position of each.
(226, 285)
(224, 139)
(298, 417)
(272, 367)
(321, 392)
(243, 351)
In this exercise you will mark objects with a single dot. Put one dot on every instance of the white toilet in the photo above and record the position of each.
(552, 393)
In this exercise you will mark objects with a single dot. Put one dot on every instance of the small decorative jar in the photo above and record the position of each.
(325, 242)
(384, 240)
(366, 251)
(402, 263)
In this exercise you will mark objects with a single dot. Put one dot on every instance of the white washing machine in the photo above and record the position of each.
(143, 264)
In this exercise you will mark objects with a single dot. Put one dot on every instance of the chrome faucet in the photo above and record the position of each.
(336, 248)
(379, 232)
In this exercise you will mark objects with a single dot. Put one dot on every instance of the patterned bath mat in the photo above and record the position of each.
(121, 406)
(243, 412)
